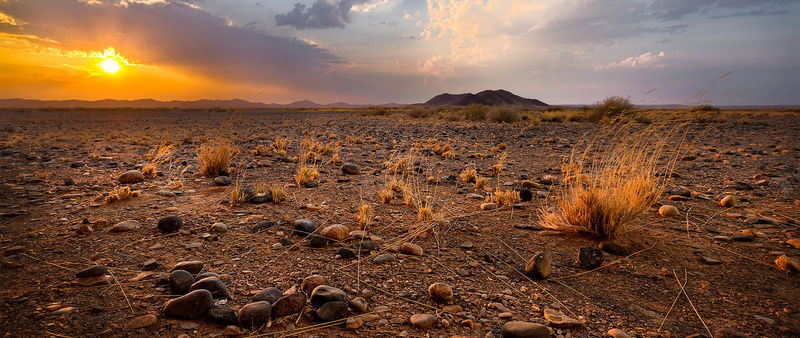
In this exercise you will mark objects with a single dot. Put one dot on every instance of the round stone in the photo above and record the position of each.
(212, 284)
(667, 210)
(98, 270)
(617, 333)
(728, 201)
(524, 330)
(539, 266)
(440, 292)
(411, 249)
(132, 176)
(525, 195)
(304, 227)
(336, 232)
(332, 311)
(311, 282)
(288, 305)
(180, 281)
(268, 295)
(194, 267)
(351, 169)
(125, 226)
(191, 305)
(384, 258)
(423, 320)
(219, 227)
(170, 224)
(222, 180)
(590, 257)
(488, 206)
(323, 294)
(222, 314)
(255, 314)
(345, 253)
(142, 321)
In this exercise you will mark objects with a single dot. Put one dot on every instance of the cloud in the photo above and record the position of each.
(170, 34)
(646, 60)
(325, 14)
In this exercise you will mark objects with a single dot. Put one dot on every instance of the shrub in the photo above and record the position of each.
(277, 193)
(610, 108)
(616, 190)
(503, 115)
(419, 112)
(121, 193)
(386, 194)
(424, 212)
(374, 111)
(553, 117)
(305, 175)
(503, 197)
(706, 108)
(554, 108)
(476, 112)
(468, 175)
(215, 158)
(364, 215)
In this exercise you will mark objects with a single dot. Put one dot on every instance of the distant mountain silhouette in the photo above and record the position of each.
(151, 104)
(486, 97)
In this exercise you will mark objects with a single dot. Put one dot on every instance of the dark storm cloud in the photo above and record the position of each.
(321, 15)
(171, 34)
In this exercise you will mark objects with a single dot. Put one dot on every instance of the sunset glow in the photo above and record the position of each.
(378, 51)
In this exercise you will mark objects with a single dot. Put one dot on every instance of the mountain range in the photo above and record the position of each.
(487, 97)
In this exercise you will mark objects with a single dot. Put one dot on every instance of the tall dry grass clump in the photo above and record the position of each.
(610, 108)
(364, 215)
(121, 193)
(305, 175)
(215, 158)
(617, 187)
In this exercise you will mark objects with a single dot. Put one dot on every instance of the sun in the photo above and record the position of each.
(110, 66)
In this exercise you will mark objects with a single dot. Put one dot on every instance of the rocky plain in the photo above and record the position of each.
(110, 228)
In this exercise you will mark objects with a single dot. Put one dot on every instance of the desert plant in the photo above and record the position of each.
(280, 144)
(480, 183)
(475, 112)
(606, 196)
(215, 158)
(419, 112)
(503, 197)
(121, 193)
(149, 170)
(503, 115)
(306, 174)
(364, 214)
(386, 194)
(468, 175)
(43, 175)
(424, 212)
(497, 168)
(238, 197)
(277, 193)
(706, 108)
(610, 108)
(175, 184)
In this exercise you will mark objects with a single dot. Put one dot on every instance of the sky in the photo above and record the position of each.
(719, 52)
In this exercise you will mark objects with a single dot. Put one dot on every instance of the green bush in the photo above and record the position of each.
(610, 108)
(475, 112)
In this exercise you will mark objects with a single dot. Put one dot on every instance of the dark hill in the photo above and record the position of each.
(486, 97)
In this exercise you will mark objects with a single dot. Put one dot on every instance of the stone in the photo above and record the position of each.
(678, 198)
(590, 257)
(367, 246)
(180, 281)
(440, 292)
(255, 314)
(539, 266)
(63, 311)
(324, 293)
(125, 226)
(617, 333)
(384, 258)
(558, 319)
(232, 330)
(743, 238)
(170, 224)
(194, 267)
(353, 323)
(219, 227)
(332, 311)
(351, 169)
(795, 242)
(94, 281)
(132, 176)
(267, 295)
(525, 195)
(207, 274)
(212, 284)
(345, 253)
(191, 305)
(614, 249)
(488, 206)
(787, 263)
(311, 282)
(728, 201)
(766, 320)
(13, 250)
(261, 199)
(304, 227)
(336, 232)
(315, 241)
(288, 305)
(97, 270)
(710, 261)
(516, 329)
(359, 304)
(411, 249)
(423, 320)
(262, 226)
(222, 314)
(247, 193)
(189, 325)
(222, 180)
(729, 333)
(667, 210)
(142, 321)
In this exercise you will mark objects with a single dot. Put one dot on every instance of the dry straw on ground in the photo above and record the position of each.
(216, 157)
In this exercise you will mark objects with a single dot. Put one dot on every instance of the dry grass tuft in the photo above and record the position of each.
(497, 168)
(468, 175)
(604, 198)
(43, 175)
(237, 197)
(149, 170)
(364, 214)
(386, 194)
(424, 212)
(121, 193)
(305, 175)
(503, 197)
(175, 184)
(215, 157)
(480, 183)
(277, 193)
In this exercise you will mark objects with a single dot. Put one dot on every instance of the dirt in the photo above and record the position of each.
(480, 254)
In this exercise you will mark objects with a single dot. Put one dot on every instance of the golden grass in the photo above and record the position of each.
(480, 183)
(121, 193)
(149, 170)
(602, 199)
(386, 194)
(175, 184)
(237, 197)
(43, 175)
(497, 168)
(306, 174)
(277, 193)
(364, 215)
(468, 175)
(503, 197)
(424, 212)
(216, 157)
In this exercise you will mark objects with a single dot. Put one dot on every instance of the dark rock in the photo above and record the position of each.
(312, 184)
(317, 241)
(332, 311)
(255, 314)
(743, 238)
(729, 333)
(69, 181)
(222, 314)
(590, 257)
(212, 284)
(311, 282)
(207, 274)
(525, 195)
(351, 169)
(440, 292)
(222, 181)
(682, 192)
(170, 224)
(268, 295)
(323, 294)
(194, 267)
(286, 241)
(98, 270)
(524, 330)
(345, 253)
(304, 227)
(192, 305)
(614, 249)
(539, 266)
(261, 199)
(180, 281)
(262, 226)
(384, 258)
(532, 227)
(150, 264)
(77, 165)
(367, 246)
(288, 305)
(132, 176)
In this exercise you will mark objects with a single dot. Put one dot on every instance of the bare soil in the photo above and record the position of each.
(481, 254)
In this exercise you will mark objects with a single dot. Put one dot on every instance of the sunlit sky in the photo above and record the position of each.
(380, 51)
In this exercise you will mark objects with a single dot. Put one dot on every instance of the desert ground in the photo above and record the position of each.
(89, 245)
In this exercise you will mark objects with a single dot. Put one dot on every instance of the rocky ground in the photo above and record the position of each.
(77, 264)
